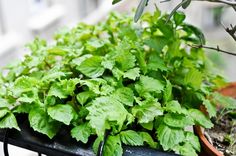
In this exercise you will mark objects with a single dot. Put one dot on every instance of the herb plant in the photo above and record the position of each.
(139, 83)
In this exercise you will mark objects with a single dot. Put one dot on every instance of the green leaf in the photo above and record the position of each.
(200, 118)
(62, 112)
(115, 1)
(148, 126)
(155, 62)
(174, 107)
(192, 30)
(81, 132)
(124, 95)
(63, 88)
(132, 73)
(148, 84)
(140, 9)
(148, 139)
(84, 96)
(193, 140)
(96, 144)
(186, 150)
(167, 94)
(131, 137)
(186, 4)
(225, 101)
(113, 146)
(193, 78)
(147, 111)
(211, 109)
(24, 84)
(100, 114)
(177, 120)
(179, 17)
(91, 67)
(3, 112)
(169, 137)
(9, 121)
(41, 122)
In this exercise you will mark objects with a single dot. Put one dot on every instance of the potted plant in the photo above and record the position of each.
(125, 83)
(220, 140)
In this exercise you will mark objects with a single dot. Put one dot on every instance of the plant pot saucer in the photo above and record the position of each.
(62, 144)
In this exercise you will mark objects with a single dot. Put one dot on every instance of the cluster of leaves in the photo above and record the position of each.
(138, 82)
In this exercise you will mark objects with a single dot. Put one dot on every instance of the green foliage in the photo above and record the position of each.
(135, 81)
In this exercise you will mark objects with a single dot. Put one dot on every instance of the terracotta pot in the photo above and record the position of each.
(207, 148)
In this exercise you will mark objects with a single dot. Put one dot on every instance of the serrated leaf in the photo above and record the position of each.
(132, 73)
(113, 147)
(81, 132)
(124, 95)
(147, 111)
(148, 139)
(169, 137)
(186, 150)
(177, 120)
(131, 137)
(200, 118)
(225, 101)
(9, 121)
(193, 140)
(84, 96)
(174, 107)
(155, 62)
(211, 109)
(167, 94)
(100, 114)
(148, 84)
(63, 88)
(24, 84)
(193, 78)
(3, 112)
(62, 112)
(91, 67)
(42, 123)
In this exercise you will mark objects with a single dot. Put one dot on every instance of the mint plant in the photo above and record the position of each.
(139, 83)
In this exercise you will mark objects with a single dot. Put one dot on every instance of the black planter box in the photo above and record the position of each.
(63, 144)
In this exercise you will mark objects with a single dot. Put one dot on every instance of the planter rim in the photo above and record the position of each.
(228, 90)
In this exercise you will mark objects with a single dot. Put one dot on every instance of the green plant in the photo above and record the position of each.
(138, 82)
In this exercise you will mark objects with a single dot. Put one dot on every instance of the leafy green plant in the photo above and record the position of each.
(139, 83)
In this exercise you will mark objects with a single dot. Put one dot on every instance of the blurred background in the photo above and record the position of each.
(23, 20)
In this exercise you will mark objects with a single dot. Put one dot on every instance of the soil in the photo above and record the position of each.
(223, 135)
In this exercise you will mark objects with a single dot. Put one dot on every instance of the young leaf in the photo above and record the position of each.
(84, 96)
(131, 137)
(169, 137)
(179, 17)
(186, 150)
(81, 132)
(62, 112)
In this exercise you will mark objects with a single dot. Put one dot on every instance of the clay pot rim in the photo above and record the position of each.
(200, 131)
